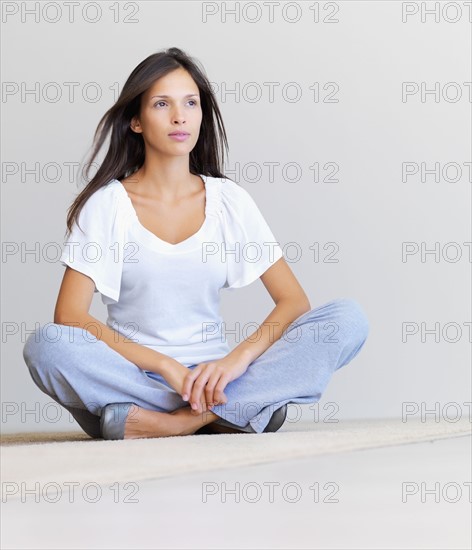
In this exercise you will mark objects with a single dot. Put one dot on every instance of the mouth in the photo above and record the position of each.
(179, 134)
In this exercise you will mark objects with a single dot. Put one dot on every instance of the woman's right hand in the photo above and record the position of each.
(174, 374)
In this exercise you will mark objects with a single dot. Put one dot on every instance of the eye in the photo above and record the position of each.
(195, 102)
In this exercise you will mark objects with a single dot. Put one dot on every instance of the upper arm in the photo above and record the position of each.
(75, 295)
(281, 283)
(95, 246)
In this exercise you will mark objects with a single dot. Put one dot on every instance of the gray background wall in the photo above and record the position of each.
(371, 131)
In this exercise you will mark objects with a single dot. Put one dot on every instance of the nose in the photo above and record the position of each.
(178, 116)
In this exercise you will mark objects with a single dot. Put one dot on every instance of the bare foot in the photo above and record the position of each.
(143, 423)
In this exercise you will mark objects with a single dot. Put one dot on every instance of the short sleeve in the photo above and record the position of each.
(96, 248)
(250, 247)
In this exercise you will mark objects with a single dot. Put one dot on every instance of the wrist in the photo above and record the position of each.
(242, 357)
(173, 373)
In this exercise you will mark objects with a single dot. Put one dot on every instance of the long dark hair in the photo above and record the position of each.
(126, 150)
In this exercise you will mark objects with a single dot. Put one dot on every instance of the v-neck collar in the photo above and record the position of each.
(153, 240)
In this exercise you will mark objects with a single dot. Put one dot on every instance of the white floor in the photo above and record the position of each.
(350, 500)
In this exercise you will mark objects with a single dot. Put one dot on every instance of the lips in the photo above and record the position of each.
(179, 134)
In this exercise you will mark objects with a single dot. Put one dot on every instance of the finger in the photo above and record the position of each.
(197, 398)
(206, 381)
(218, 392)
(210, 387)
(201, 407)
(188, 383)
(203, 403)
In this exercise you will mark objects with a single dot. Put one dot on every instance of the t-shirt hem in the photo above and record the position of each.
(258, 270)
(100, 286)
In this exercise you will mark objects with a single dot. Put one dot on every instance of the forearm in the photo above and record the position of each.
(143, 357)
(271, 329)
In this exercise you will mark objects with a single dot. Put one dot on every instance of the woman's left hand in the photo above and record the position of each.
(212, 378)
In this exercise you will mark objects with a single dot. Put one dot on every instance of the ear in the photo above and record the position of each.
(135, 125)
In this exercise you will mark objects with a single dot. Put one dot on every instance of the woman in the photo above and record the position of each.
(158, 232)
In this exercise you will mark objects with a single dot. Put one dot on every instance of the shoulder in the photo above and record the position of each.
(239, 202)
(104, 209)
(234, 196)
(239, 211)
(110, 190)
(104, 199)
(230, 189)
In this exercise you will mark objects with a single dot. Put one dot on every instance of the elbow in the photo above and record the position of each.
(305, 306)
(60, 317)
(300, 304)
(303, 303)
(57, 318)
(68, 318)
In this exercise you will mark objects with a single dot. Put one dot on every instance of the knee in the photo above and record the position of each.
(42, 344)
(34, 347)
(31, 345)
(354, 317)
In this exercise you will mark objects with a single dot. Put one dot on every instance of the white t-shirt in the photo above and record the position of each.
(166, 296)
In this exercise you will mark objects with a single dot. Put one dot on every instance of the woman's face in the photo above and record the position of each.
(179, 111)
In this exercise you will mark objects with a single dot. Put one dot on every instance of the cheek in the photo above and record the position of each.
(197, 122)
(155, 125)
(157, 120)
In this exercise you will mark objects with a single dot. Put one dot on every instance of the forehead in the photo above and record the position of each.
(177, 83)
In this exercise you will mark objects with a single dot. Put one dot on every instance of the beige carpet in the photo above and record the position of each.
(41, 459)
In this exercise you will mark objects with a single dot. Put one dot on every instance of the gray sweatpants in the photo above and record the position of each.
(83, 374)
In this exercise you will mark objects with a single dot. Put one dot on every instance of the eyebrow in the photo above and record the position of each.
(167, 96)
